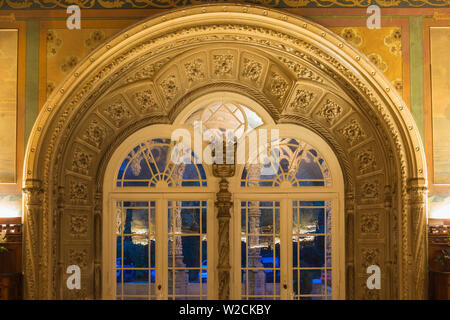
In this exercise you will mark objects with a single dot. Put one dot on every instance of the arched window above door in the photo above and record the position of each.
(149, 164)
(297, 164)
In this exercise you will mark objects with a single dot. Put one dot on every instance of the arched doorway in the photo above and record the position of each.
(297, 70)
(287, 223)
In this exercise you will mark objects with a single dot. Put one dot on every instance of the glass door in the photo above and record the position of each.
(162, 247)
(283, 246)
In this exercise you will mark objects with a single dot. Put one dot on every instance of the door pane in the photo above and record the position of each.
(311, 244)
(260, 249)
(187, 242)
(135, 250)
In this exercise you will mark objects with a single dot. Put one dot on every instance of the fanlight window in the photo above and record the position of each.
(297, 164)
(226, 116)
(150, 164)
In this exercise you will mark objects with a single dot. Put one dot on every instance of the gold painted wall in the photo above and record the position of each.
(8, 104)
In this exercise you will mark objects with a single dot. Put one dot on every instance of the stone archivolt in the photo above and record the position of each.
(256, 51)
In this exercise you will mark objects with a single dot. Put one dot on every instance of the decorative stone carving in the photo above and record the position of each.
(331, 111)
(224, 205)
(353, 132)
(278, 86)
(369, 256)
(95, 133)
(33, 205)
(366, 161)
(302, 101)
(147, 71)
(145, 101)
(78, 191)
(78, 257)
(301, 72)
(78, 225)
(370, 190)
(223, 64)
(370, 223)
(252, 70)
(118, 113)
(169, 87)
(195, 70)
(81, 162)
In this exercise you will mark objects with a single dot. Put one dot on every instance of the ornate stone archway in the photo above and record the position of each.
(299, 71)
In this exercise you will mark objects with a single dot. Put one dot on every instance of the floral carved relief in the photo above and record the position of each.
(78, 257)
(78, 225)
(366, 161)
(302, 100)
(118, 113)
(223, 64)
(278, 86)
(369, 256)
(370, 190)
(370, 223)
(95, 133)
(195, 70)
(78, 191)
(252, 70)
(81, 162)
(353, 132)
(145, 101)
(331, 111)
(169, 87)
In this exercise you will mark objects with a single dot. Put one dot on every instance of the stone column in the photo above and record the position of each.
(32, 193)
(417, 237)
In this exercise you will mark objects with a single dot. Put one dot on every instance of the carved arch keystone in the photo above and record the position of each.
(299, 71)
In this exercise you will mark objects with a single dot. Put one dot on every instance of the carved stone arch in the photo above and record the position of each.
(299, 71)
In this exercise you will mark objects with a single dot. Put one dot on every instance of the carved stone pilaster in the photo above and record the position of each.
(417, 237)
(60, 263)
(224, 205)
(391, 281)
(97, 245)
(349, 226)
(32, 193)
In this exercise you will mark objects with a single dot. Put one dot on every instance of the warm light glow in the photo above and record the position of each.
(441, 212)
(8, 212)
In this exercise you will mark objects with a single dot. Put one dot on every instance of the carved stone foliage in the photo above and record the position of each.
(369, 256)
(78, 225)
(251, 70)
(117, 112)
(353, 132)
(278, 86)
(370, 223)
(301, 72)
(81, 161)
(302, 101)
(95, 133)
(370, 191)
(223, 64)
(195, 70)
(331, 111)
(78, 191)
(366, 161)
(145, 101)
(169, 87)
(78, 257)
